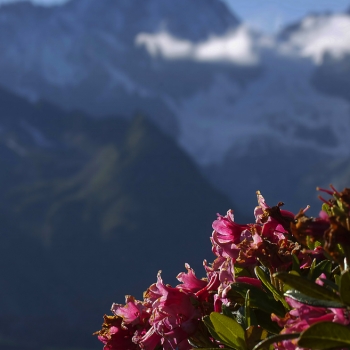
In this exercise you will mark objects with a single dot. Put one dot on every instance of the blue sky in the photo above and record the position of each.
(271, 15)
(268, 15)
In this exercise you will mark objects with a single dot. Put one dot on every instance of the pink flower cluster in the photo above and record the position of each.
(169, 318)
(265, 241)
(302, 316)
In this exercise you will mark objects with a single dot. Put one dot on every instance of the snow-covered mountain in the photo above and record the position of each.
(247, 107)
(84, 54)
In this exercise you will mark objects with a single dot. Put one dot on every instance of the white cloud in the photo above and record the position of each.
(320, 35)
(237, 47)
(163, 44)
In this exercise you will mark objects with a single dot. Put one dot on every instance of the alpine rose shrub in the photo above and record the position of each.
(273, 282)
(302, 316)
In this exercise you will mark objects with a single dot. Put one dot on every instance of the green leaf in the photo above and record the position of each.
(296, 295)
(229, 331)
(330, 284)
(201, 338)
(311, 244)
(247, 309)
(296, 263)
(226, 311)
(336, 270)
(253, 319)
(325, 335)
(307, 287)
(235, 295)
(274, 339)
(285, 286)
(264, 279)
(337, 280)
(324, 266)
(345, 287)
(342, 206)
(239, 316)
(312, 267)
(263, 319)
(325, 207)
(254, 335)
(241, 272)
(257, 298)
(210, 326)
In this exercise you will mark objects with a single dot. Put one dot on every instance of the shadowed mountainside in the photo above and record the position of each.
(90, 211)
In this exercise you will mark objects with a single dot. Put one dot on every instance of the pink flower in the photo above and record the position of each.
(134, 312)
(264, 212)
(302, 317)
(222, 275)
(206, 293)
(226, 277)
(266, 240)
(174, 317)
(190, 283)
(275, 222)
(128, 327)
(227, 229)
(149, 340)
(115, 336)
(227, 235)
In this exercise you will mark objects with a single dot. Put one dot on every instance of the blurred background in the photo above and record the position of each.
(126, 125)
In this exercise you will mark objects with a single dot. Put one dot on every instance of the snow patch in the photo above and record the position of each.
(280, 105)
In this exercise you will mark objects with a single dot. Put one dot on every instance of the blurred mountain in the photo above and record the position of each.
(252, 110)
(84, 54)
(325, 37)
(290, 122)
(90, 211)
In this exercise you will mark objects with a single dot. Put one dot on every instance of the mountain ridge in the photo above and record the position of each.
(216, 94)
